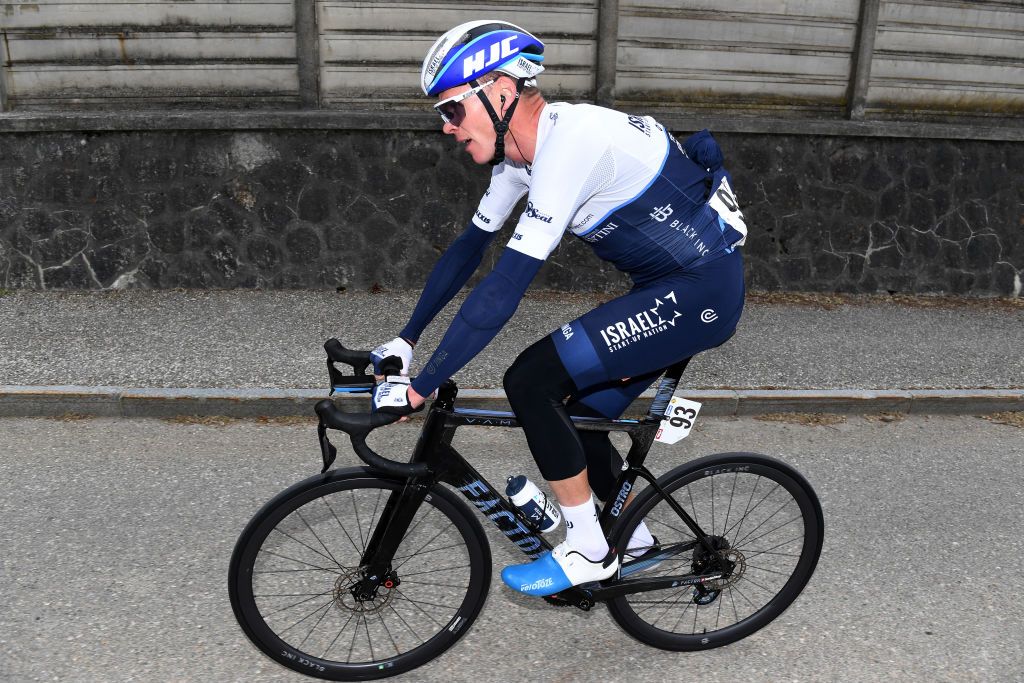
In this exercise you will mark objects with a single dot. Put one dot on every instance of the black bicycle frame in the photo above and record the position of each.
(446, 465)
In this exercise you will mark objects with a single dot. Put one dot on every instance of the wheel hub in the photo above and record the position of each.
(729, 561)
(351, 595)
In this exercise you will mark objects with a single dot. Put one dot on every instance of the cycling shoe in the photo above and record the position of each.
(558, 570)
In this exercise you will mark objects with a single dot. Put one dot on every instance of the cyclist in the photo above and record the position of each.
(659, 210)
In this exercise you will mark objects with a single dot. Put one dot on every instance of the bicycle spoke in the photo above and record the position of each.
(355, 632)
(743, 595)
(290, 571)
(772, 531)
(692, 505)
(653, 603)
(388, 631)
(343, 627)
(292, 559)
(746, 510)
(296, 604)
(342, 526)
(777, 486)
(747, 579)
(403, 596)
(326, 612)
(762, 569)
(414, 604)
(768, 551)
(359, 524)
(285, 630)
(712, 504)
(732, 494)
(675, 601)
(305, 545)
(683, 613)
(415, 526)
(432, 550)
(369, 641)
(435, 584)
(666, 524)
(422, 547)
(441, 569)
(402, 619)
(329, 553)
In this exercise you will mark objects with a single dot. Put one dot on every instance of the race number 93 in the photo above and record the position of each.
(679, 418)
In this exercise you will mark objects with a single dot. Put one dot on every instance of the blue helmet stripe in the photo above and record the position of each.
(461, 51)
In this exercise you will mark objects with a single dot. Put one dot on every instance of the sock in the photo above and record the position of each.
(583, 533)
(641, 539)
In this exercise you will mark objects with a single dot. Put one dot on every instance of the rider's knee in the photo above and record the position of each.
(537, 373)
(517, 381)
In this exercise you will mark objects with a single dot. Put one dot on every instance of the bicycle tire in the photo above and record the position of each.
(730, 470)
(312, 554)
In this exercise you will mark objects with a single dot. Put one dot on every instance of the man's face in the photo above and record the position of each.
(471, 126)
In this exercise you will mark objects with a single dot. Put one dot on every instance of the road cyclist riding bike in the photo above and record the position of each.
(366, 572)
(660, 210)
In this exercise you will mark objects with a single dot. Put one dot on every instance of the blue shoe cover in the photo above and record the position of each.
(543, 576)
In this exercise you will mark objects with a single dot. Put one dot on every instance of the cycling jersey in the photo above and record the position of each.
(622, 184)
(651, 206)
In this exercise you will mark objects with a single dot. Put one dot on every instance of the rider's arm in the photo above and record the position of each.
(451, 272)
(484, 313)
(462, 258)
(570, 174)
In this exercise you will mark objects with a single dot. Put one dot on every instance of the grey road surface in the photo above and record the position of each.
(116, 536)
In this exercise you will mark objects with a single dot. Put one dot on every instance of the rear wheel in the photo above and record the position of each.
(765, 523)
(295, 570)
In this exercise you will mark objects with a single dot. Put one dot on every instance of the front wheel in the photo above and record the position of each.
(765, 524)
(295, 570)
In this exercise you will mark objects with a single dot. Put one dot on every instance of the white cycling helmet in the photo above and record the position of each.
(475, 48)
(471, 50)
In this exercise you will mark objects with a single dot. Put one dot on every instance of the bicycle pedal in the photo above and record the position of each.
(557, 601)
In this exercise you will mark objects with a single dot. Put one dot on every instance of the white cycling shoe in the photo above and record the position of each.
(558, 570)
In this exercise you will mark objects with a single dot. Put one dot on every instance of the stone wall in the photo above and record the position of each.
(288, 209)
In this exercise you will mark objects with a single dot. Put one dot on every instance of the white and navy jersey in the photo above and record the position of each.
(621, 183)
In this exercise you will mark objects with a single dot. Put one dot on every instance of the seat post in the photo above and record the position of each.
(666, 388)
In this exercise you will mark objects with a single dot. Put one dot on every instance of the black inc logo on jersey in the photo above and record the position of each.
(646, 323)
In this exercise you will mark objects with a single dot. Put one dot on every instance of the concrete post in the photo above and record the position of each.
(307, 49)
(4, 64)
(860, 63)
(607, 52)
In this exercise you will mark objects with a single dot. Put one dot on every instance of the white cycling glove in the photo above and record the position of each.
(396, 347)
(392, 396)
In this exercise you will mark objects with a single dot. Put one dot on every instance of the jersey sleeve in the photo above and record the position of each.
(577, 163)
(508, 184)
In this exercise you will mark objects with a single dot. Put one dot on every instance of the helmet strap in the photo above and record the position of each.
(500, 124)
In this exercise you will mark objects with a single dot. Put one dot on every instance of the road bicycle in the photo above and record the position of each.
(367, 572)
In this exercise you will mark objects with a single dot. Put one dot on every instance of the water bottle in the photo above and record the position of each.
(525, 495)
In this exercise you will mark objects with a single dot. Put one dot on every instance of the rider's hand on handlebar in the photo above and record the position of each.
(396, 347)
(392, 396)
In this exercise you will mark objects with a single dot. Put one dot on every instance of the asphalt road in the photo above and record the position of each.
(116, 536)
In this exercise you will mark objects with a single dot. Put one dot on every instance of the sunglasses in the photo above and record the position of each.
(452, 110)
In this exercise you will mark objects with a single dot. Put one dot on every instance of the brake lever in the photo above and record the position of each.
(327, 449)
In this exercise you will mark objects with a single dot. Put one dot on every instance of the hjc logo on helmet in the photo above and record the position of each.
(475, 63)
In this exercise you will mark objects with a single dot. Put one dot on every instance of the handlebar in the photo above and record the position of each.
(359, 425)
